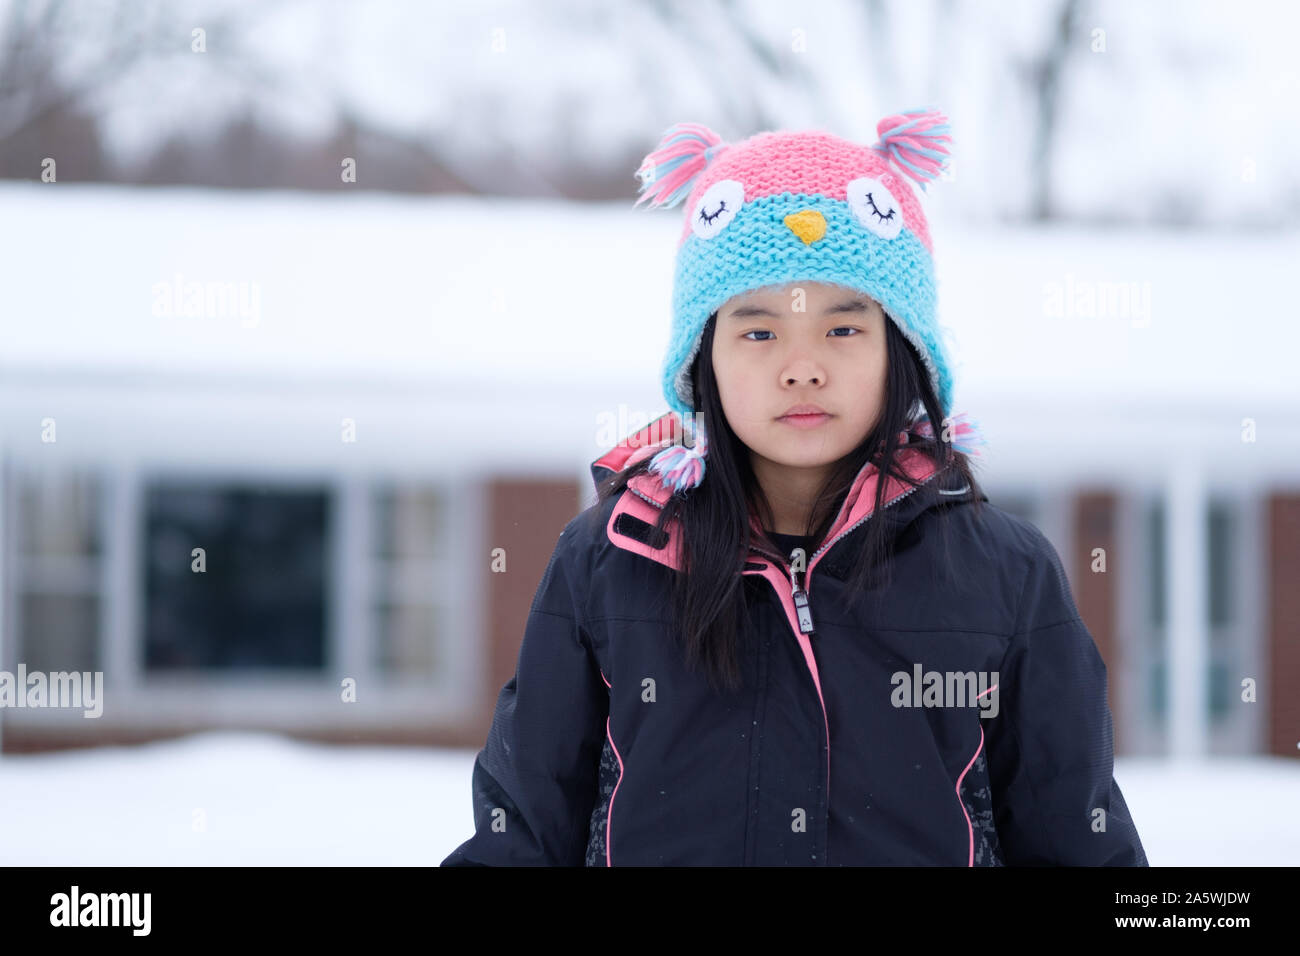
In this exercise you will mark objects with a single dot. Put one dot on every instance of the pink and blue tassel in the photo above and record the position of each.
(668, 173)
(680, 467)
(914, 140)
(967, 436)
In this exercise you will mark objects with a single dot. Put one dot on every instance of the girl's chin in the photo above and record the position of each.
(787, 457)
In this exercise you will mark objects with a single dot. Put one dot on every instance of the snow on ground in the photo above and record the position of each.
(233, 798)
(248, 798)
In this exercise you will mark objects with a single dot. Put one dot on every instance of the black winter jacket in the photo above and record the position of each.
(606, 750)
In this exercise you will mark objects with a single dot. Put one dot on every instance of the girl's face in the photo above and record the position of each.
(805, 343)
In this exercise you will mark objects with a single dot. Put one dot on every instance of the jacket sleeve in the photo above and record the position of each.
(534, 782)
(1050, 750)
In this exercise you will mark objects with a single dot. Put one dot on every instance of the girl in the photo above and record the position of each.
(832, 650)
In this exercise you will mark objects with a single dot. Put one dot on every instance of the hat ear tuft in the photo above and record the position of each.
(684, 152)
(914, 141)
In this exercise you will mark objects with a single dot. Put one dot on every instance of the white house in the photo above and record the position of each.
(258, 451)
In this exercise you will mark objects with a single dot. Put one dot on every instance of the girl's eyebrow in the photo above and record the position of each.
(748, 311)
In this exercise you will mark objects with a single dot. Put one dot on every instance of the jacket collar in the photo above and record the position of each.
(631, 523)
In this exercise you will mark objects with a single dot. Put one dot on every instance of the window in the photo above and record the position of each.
(1224, 561)
(1157, 651)
(410, 581)
(58, 556)
(257, 600)
(301, 582)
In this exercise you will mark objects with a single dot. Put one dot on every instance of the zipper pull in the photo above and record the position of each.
(801, 606)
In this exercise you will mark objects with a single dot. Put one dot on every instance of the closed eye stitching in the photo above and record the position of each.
(709, 219)
(876, 209)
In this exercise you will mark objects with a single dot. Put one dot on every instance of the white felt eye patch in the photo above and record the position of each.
(717, 207)
(874, 207)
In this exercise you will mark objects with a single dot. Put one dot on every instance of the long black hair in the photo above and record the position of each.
(708, 599)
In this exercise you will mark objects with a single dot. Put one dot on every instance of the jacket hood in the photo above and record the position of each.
(645, 496)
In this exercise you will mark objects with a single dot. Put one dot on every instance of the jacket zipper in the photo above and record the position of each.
(799, 595)
(802, 604)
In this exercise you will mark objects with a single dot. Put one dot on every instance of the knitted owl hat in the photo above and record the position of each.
(782, 207)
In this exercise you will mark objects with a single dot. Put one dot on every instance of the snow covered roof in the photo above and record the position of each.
(480, 309)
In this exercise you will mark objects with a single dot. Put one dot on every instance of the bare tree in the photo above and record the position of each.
(880, 44)
(1046, 75)
(31, 87)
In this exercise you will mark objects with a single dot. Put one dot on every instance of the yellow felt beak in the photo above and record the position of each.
(809, 225)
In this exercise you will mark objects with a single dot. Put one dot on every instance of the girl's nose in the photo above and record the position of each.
(808, 224)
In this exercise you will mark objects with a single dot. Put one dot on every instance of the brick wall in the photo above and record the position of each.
(1094, 526)
(525, 518)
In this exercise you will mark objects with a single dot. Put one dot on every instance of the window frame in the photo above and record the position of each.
(266, 700)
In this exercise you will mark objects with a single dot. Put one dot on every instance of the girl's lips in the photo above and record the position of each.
(805, 421)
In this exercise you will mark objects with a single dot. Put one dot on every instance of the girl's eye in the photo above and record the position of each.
(874, 207)
(717, 207)
(842, 328)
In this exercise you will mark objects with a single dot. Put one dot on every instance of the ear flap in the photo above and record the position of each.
(914, 141)
(683, 153)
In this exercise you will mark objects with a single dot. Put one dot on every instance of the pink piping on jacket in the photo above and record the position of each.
(782, 586)
(970, 860)
(609, 813)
